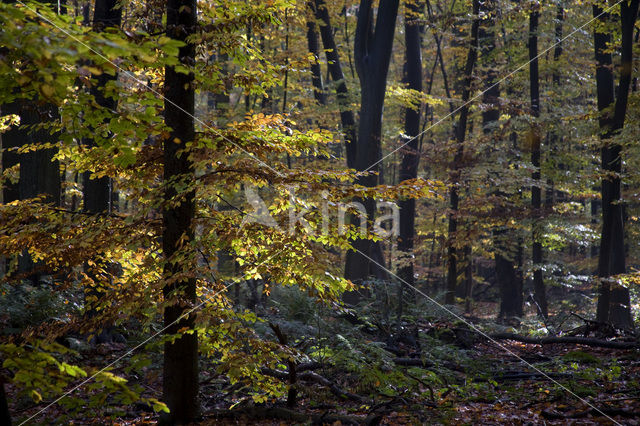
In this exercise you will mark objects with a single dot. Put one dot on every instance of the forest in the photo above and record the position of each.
(319, 212)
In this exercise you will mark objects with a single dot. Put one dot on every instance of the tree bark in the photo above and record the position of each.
(314, 48)
(569, 340)
(553, 138)
(613, 301)
(502, 237)
(372, 54)
(460, 133)
(411, 153)
(180, 378)
(39, 173)
(347, 117)
(97, 192)
(536, 193)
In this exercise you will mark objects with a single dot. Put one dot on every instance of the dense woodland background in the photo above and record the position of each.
(175, 177)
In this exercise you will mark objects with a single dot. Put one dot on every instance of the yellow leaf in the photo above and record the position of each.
(94, 70)
(36, 395)
(47, 90)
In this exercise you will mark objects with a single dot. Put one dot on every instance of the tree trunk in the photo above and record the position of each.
(39, 174)
(97, 192)
(534, 91)
(502, 237)
(461, 128)
(314, 48)
(550, 196)
(510, 282)
(10, 139)
(372, 53)
(180, 373)
(347, 117)
(613, 301)
(411, 152)
(5, 414)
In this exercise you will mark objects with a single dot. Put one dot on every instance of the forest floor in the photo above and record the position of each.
(472, 381)
(586, 386)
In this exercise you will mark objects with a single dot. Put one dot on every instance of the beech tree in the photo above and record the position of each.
(39, 172)
(180, 371)
(96, 192)
(613, 301)
(312, 40)
(536, 190)
(372, 53)
(460, 133)
(334, 66)
(411, 156)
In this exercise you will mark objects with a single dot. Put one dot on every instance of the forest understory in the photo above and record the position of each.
(353, 368)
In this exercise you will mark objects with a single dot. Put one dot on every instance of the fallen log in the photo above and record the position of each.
(413, 362)
(423, 363)
(598, 343)
(518, 375)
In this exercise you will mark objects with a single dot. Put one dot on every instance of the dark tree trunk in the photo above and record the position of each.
(613, 301)
(5, 414)
(97, 192)
(605, 95)
(9, 157)
(510, 282)
(372, 53)
(314, 48)
(411, 153)
(347, 117)
(461, 129)
(39, 173)
(503, 238)
(180, 373)
(10, 139)
(553, 138)
(536, 193)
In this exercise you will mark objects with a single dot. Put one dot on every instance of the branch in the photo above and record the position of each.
(598, 343)
(310, 376)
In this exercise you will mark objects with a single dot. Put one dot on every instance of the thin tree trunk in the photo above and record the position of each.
(411, 153)
(613, 301)
(97, 192)
(314, 48)
(535, 137)
(461, 128)
(555, 80)
(180, 372)
(347, 117)
(502, 238)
